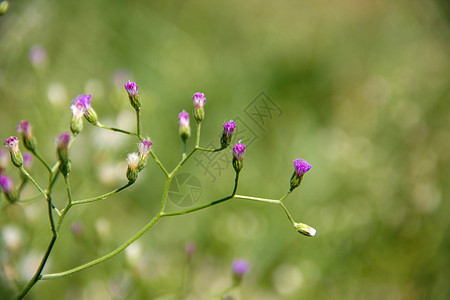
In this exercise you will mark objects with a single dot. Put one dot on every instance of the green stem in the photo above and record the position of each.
(158, 162)
(209, 150)
(41, 159)
(287, 213)
(37, 275)
(101, 197)
(105, 257)
(197, 139)
(233, 195)
(138, 123)
(117, 129)
(258, 199)
(285, 195)
(69, 202)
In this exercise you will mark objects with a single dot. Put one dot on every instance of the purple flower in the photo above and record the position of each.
(238, 151)
(228, 128)
(190, 249)
(301, 166)
(144, 148)
(80, 105)
(6, 183)
(62, 141)
(37, 55)
(27, 160)
(199, 100)
(12, 144)
(132, 89)
(24, 128)
(183, 118)
(240, 267)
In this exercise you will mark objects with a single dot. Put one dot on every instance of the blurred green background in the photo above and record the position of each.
(363, 94)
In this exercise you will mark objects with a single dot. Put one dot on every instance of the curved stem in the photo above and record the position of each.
(101, 197)
(209, 150)
(158, 162)
(233, 195)
(287, 213)
(69, 203)
(116, 129)
(41, 159)
(138, 123)
(258, 199)
(105, 257)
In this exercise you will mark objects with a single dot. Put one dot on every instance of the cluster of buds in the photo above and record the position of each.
(199, 100)
(227, 134)
(24, 128)
(137, 161)
(6, 184)
(238, 156)
(82, 107)
(301, 166)
(133, 94)
(62, 145)
(185, 129)
(12, 144)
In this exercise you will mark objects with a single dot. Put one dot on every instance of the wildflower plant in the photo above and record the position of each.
(82, 110)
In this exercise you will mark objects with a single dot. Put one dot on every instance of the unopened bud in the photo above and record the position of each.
(301, 167)
(24, 128)
(199, 103)
(305, 229)
(227, 134)
(185, 129)
(238, 156)
(240, 267)
(133, 94)
(133, 167)
(4, 6)
(12, 144)
(62, 144)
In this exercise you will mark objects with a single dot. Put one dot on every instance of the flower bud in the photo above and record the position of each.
(78, 110)
(185, 129)
(227, 134)
(238, 156)
(12, 144)
(144, 149)
(62, 144)
(301, 167)
(133, 94)
(6, 184)
(199, 102)
(305, 229)
(4, 6)
(240, 267)
(24, 128)
(133, 167)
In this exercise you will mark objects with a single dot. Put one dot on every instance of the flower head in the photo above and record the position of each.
(133, 93)
(81, 104)
(6, 183)
(62, 141)
(24, 128)
(144, 147)
(228, 129)
(199, 100)
(240, 267)
(238, 151)
(301, 166)
(305, 229)
(12, 144)
(27, 160)
(185, 129)
(133, 167)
